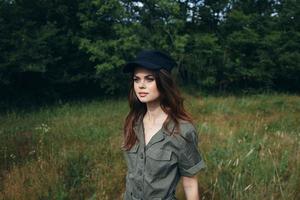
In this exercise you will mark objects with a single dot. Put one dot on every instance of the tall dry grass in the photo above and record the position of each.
(72, 151)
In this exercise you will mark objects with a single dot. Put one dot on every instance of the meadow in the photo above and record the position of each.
(251, 146)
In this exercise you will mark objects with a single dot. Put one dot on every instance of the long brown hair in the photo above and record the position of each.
(171, 103)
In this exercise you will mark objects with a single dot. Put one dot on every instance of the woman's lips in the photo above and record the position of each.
(143, 94)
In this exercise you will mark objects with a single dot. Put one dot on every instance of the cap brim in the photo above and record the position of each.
(129, 67)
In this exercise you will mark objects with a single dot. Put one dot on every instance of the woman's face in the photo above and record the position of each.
(145, 85)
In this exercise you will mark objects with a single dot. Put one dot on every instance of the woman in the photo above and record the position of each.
(160, 141)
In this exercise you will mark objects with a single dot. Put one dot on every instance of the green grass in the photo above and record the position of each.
(72, 150)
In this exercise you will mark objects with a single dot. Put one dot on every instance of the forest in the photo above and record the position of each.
(53, 49)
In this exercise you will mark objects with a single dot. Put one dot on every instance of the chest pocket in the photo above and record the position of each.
(158, 162)
(131, 157)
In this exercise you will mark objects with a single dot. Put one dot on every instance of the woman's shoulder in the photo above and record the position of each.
(186, 127)
(186, 132)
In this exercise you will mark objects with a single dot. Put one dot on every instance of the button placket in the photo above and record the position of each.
(140, 172)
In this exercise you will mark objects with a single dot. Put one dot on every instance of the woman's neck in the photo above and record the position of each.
(154, 112)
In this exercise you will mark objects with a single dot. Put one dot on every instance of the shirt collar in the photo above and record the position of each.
(159, 136)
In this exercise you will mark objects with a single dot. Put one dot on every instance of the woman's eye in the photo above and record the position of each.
(136, 80)
(150, 79)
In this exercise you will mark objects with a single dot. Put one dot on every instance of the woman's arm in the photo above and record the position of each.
(190, 186)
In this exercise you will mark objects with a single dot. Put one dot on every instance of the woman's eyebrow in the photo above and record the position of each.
(147, 76)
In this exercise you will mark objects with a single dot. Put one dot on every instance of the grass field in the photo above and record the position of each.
(251, 146)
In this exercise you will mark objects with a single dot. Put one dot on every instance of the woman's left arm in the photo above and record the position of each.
(190, 186)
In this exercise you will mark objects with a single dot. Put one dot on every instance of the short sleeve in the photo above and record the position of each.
(190, 160)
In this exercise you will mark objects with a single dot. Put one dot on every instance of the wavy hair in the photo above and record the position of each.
(171, 103)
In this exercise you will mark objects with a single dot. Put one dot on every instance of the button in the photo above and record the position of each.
(141, 155)
(139, 188)
(140, 172)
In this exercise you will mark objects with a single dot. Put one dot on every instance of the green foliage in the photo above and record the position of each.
(221, 45)
(203, 61)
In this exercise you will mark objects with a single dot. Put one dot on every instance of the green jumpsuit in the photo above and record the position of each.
(154, 169)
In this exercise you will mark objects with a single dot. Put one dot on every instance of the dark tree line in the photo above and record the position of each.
(54, 48)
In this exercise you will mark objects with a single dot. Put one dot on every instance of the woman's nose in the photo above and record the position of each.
(142, 84)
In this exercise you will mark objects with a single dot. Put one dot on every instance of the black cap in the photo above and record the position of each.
(151, 59)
